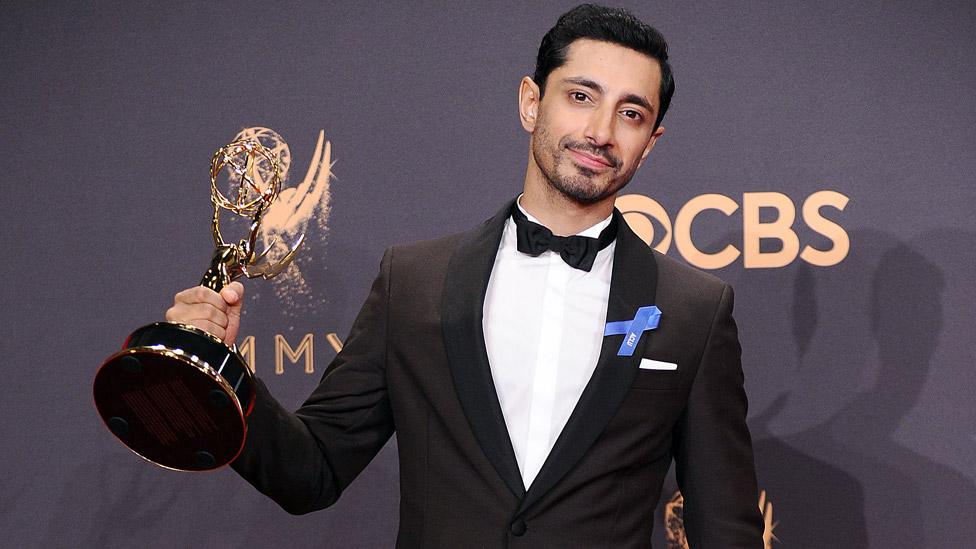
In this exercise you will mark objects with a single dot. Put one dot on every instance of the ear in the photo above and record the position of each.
(650, 144)
(528, 103)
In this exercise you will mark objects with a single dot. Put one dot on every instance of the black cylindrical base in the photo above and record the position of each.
(176, 396)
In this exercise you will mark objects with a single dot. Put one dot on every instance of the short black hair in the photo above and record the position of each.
(614, 25)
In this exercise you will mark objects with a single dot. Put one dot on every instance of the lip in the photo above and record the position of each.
(589, 160)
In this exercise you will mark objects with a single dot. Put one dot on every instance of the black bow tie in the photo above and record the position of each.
(578, 252)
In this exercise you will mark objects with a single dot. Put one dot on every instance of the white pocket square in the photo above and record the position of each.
(648, 364)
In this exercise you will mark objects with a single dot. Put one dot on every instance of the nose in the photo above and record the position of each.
(599, 127)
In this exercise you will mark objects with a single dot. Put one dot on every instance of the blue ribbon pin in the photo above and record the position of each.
(645, 319)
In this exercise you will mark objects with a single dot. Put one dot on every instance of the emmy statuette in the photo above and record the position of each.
(176, 395)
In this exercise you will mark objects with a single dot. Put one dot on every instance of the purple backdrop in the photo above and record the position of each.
(859, 373)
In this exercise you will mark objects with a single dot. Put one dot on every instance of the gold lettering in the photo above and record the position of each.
(753, 231)
(282, 348)
(682, 231)
(334, 340)
(834, 232)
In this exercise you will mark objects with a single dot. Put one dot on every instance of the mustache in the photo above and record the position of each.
(586, 147)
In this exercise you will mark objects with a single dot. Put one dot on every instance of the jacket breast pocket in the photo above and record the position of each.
(659, 374)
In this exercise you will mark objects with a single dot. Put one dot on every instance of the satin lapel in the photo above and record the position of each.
(462, 306)
(633, 284)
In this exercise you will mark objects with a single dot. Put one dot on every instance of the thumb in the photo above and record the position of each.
(233, 295)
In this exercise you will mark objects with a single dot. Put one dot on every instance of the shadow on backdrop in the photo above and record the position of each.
(849, 482)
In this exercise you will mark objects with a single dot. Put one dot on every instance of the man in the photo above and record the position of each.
(539, 386)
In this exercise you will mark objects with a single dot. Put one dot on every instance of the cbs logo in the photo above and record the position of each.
(639, 210)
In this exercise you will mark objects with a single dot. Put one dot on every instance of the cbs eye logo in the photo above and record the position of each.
(639, 210)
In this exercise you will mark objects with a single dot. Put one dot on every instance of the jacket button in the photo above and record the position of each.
(518, 527)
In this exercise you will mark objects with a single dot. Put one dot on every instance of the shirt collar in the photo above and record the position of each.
(592, 232)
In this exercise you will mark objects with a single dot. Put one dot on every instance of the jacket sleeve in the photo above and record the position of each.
(713, 448)
(304, 460)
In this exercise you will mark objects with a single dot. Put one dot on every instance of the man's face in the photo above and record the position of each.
(595, 124)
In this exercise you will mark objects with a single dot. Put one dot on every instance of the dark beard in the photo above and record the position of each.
(579, 187)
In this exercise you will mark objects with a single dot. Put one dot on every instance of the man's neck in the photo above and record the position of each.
(561, 214)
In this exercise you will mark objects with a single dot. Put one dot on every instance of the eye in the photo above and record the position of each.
(632, 114)
(579, 97)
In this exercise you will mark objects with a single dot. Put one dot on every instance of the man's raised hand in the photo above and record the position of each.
(203, 308)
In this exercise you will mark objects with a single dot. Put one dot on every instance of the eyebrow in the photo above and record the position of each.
(629, 98)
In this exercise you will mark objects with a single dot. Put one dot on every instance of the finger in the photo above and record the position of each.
(233, 323)
(210, 328)
(201, 294)
(230, 334)
(234, 311)
(233, 293)
(190, 313)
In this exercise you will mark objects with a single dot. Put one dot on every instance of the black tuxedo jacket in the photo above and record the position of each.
(415, 363)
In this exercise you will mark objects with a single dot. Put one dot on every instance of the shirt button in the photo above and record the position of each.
(518, 527)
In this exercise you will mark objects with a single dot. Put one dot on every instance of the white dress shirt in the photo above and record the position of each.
(543, 323)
